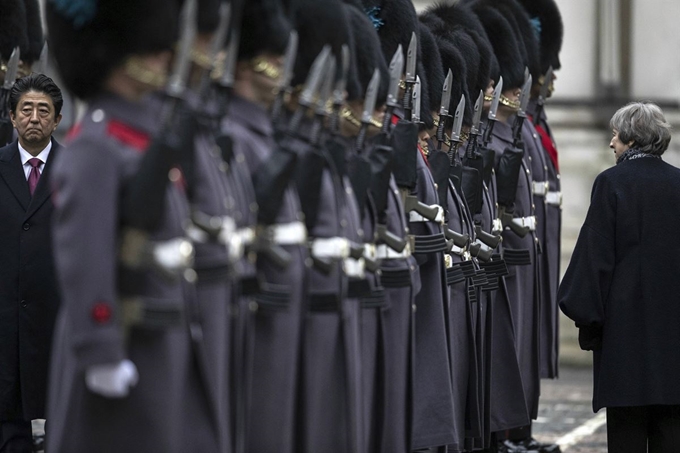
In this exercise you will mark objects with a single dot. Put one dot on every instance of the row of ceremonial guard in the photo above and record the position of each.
(270, 239)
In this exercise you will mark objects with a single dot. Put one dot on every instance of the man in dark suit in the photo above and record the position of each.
(28, 291)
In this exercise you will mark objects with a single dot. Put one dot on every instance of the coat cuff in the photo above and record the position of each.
(104, 347)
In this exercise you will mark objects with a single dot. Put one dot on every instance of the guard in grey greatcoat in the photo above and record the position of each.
(432, 391)
(355, 166)
(127, 373)
(387, 317)
(438, 55)
(275, 322)
(550, 32)
(519, 252)
(330, 374)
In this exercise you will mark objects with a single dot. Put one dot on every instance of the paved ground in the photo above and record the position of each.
(566, 415)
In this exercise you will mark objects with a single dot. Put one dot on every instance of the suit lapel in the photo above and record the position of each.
(43, 190)
(12, 172)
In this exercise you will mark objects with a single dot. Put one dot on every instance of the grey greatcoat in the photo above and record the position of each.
(433, 403)
(539, 162)
(552, 247)
(330, 378)
(169, 408)
(522, 282)
(401, 279)
(276, 323)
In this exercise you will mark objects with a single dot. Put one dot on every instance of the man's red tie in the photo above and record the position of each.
(34, 176)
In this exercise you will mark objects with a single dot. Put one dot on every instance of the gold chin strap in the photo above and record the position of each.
(488, 98)
(349, 116)
(202, 59)
(508, 103)
(541, 81)
(135, 68)
(22, 71)
(262, 66)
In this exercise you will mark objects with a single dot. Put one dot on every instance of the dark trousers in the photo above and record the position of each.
(16, 437)
(635, 429)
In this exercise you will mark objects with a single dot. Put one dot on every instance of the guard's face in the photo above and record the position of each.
(34, 119)
(617, 145)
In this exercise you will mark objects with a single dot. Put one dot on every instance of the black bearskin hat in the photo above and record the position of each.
(524, 32)
(447, 18)
(12, 28)
(458, 53)
(547, 24)
(318, 23)
(89, 41)
(367, 56)
(264, 29)
(34, 31)
(504, 43)
(432, 75)
(395, 21)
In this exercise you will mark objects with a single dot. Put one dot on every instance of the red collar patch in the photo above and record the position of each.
(128, 135)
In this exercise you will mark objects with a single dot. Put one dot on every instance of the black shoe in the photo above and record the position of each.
(38, 443)
(533, 444)
(508, 446)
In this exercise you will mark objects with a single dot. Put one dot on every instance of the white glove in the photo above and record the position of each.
(112, 380)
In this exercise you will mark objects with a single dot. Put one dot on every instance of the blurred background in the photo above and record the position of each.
(614, 51)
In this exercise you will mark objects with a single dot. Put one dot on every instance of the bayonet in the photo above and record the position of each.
(471, 151)
(369, 107)
(315, 77)
(496, 99)
(543, 94)
(311, 87)
(477, 116)
(326, 88)
(177, 81)
(545, 87)
(216, 44)
(40, 66)
(227, 78)
(524, 97)
(410, 76)
(340, 88)
(444, 109)
(492, 111)
(396, 69)
(12, 69)
(415, 114)
(458, 120)
(321, 100)
(521, 114)
(286, 76)
(411, 59)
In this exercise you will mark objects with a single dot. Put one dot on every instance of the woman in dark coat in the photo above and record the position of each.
(622, 287)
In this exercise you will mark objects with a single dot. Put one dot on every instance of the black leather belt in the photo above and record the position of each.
(517, 257)
(433, 243)
(376, 299)
(323, 302)
(274, 297)
(454, 275)
(395, 278)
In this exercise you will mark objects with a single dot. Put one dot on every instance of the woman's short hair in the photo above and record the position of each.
(644, 124)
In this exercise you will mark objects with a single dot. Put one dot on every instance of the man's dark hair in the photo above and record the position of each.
(39, 83)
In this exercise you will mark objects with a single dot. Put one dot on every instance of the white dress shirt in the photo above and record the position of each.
(25, 156)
